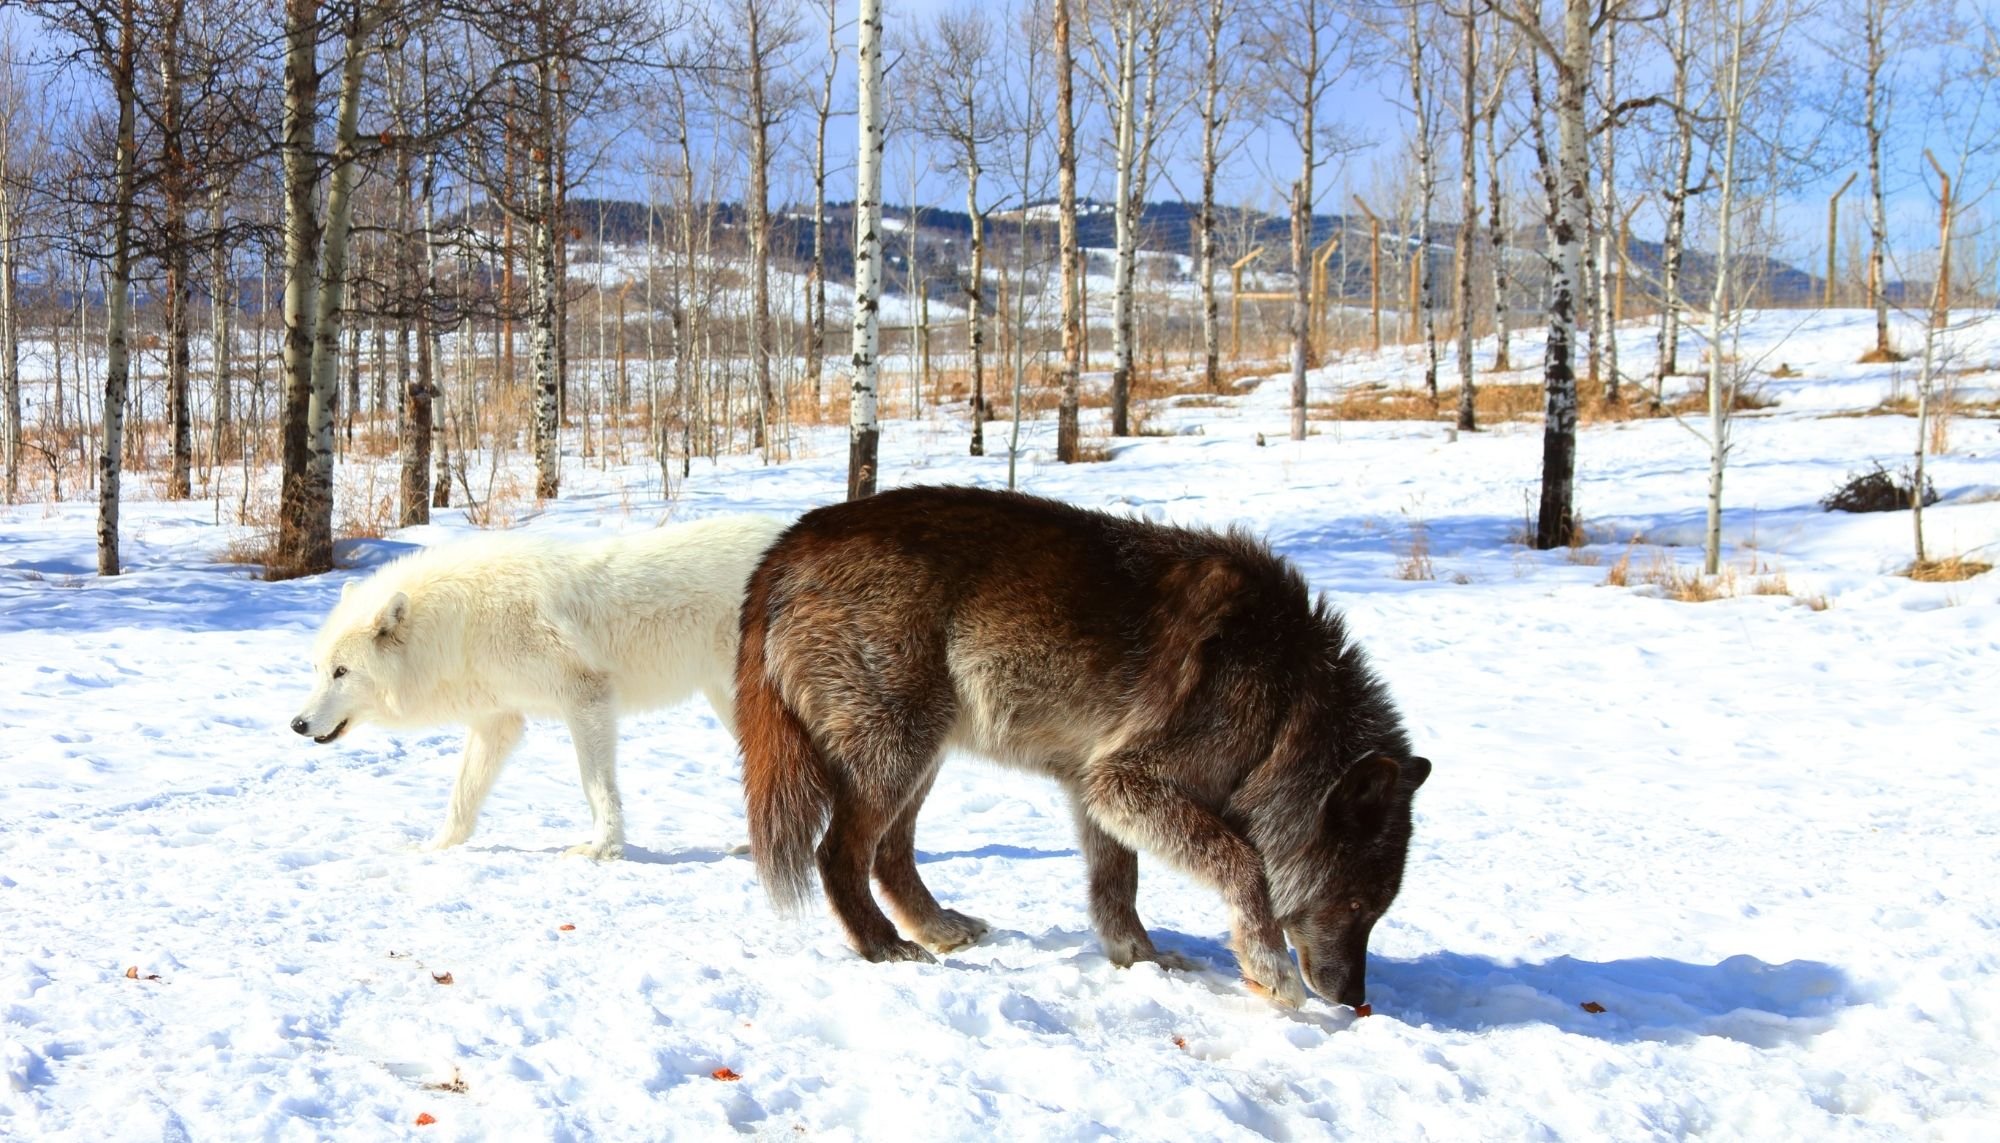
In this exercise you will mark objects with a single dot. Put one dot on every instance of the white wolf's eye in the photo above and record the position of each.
(339, 671)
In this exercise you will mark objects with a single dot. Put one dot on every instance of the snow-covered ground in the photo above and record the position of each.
(1759, 836)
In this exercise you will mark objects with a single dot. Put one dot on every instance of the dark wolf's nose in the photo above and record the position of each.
(299, 726)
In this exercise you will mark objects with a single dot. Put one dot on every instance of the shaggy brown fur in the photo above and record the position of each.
(1180, 684)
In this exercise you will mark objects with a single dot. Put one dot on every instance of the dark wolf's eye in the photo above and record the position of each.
(340, 671)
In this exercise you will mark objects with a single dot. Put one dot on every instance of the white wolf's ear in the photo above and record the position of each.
(389, 621)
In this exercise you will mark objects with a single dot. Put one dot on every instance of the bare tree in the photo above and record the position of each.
(1302, 42)
(863, 430)
(823, 111)
(1415, 35)
(1223, 89)
(1469, 116)
(954, 77)
(21, 146)
(1067, 437)
(1571, 62)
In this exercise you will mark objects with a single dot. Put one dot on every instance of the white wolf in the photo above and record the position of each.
(488, 631)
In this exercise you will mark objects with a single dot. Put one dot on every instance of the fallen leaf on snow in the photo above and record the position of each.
(566, 928)
(441, 977)
(1592, 1007)
(133, 974)
(725, 1075)
(425, 1119)
(1361, 1010)
(1180, 1043)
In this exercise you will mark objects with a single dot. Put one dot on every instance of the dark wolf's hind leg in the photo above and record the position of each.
(939, 928)
(846, 854)
(1114, 892)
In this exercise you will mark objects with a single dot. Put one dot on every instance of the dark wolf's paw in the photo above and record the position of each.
(952, 930)
(899, 950)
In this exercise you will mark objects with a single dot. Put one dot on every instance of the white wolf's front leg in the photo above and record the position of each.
(487, 746)
(593, 725)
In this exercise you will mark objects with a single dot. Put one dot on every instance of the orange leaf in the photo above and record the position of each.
(566, 928)
(1592, 1007)
(132, 973)
(725, 1075)
(441, 977)
(1180, 1043)
(425, 1119)
(1361, 1010)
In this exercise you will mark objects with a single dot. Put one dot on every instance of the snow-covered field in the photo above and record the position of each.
(1720, 869)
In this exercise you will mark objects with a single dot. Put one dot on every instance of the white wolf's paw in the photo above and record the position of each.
(443, 841)
(1272, 973)
(598, 851)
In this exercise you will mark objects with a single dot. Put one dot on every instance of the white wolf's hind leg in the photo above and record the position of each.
(487, 746)
(593, 725)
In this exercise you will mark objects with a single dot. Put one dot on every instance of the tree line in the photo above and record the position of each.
(378, 208)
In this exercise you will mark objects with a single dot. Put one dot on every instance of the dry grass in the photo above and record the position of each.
(1687, 584)
(1950, 569)
(1881, 357)
(1416, 561)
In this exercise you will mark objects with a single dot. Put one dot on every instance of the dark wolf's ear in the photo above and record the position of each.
(389, 621)
(1415, 770)
(1361, 799)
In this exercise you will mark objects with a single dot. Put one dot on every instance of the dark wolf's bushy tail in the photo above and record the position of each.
(785, 787)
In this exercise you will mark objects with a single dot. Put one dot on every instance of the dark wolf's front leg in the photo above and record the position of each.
(1114, 893)
(1126, 795)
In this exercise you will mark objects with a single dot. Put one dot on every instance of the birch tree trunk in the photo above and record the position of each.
(1302, 200)
(1067, 432)
(221, 297)
(863, 429)
(10, 330)
(1426, 189)
(542, 288)
(179, 289)
(975, 292)
(1495, 224)
(816, 284)
(1569, 192)
(1211, 144)
(330, 311)
(1668, 362)
(118, 294)
(1127, 110)
(1607, 230)
(1468, 214)
(1873, 32)
(1721, 303)
(760, 227)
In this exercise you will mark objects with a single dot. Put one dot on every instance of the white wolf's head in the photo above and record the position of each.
(356, 649)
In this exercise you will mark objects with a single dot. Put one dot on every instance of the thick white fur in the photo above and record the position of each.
(491, 631)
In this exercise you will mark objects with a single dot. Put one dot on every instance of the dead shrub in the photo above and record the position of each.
(1416, 561)
(1950, 569)
(1881, 357)
(1877, 490)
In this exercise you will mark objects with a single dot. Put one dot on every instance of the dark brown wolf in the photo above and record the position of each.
(1180, 684)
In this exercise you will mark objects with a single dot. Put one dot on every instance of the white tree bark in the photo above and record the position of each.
(1125, 156)
(1067, 435)
(1682, 161)
(863, 428)
(118, 295)
(1468, 210)
(1426, 190)
(1607, 230)
(1721, 303)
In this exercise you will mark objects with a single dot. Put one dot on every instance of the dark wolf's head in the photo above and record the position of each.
(1335, 841)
